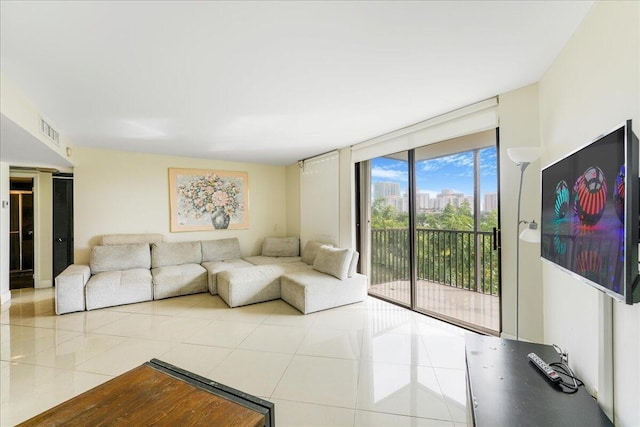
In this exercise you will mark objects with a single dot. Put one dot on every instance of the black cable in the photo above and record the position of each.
(563, 369)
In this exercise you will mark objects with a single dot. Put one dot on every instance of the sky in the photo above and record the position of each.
(454, 172)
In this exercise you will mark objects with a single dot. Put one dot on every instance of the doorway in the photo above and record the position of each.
(432, 218)
(21, 233)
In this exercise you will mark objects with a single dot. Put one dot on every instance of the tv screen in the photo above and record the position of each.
(590, 213)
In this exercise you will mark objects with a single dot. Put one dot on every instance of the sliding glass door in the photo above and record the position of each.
(432, 230)
(389, 225)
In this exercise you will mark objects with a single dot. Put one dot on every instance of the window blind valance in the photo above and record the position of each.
(473, 118)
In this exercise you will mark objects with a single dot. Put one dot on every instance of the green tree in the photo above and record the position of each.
(459, 218)
(489, 220)
(385, 216)
(443, 257)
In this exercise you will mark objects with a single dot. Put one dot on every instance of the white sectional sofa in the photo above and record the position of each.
(126, 269)
(325, 277)
(332, 282)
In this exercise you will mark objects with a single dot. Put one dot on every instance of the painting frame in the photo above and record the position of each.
(208, 199)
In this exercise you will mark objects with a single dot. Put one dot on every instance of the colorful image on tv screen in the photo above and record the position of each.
(583, 205)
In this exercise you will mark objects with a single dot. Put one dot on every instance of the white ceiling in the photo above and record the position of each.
(268, 82)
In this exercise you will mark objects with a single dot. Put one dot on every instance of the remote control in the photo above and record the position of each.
(546, 369)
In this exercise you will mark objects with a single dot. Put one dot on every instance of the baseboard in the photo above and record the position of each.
(43, 284)
(5, 297)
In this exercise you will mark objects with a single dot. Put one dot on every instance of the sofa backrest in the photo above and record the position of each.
(130, 239)
(119, 257)
(220, 250)
(340, 263)
(175, 253)
(281, 246)
(311, 249)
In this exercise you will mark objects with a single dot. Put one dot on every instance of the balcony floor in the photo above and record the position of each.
(459, 306)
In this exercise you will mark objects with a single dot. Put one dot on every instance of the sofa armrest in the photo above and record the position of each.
(70, 288)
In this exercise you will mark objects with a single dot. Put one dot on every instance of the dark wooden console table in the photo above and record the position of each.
(505, 389)
(157, 393)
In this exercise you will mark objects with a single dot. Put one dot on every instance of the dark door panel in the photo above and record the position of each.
(62, 223)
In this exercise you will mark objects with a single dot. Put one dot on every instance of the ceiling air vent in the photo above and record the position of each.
(49, 131)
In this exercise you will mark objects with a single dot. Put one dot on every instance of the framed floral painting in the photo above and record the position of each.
(208, 199)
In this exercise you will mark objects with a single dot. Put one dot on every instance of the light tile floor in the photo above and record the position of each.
(474, 310)
(366, 364)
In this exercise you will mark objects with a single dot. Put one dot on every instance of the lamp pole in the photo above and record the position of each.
(522, 157)
(523, 166)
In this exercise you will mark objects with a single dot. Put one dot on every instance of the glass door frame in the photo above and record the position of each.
(364, 226)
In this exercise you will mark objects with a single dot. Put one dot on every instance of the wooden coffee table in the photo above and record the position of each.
(157, 393)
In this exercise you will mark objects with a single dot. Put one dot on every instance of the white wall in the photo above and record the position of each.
(593, 85)
(125, 192)
(519, 127)
(5, 293)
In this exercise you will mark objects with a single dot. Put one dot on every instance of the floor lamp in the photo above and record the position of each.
(522, 157)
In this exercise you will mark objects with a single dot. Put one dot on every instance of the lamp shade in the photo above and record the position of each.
(523, 154)
(531, 235)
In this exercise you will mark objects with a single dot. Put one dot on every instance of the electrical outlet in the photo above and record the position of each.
(5, 204)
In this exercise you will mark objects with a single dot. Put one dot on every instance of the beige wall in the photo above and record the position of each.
(519, 127)
(124, 192)
(43, 196)
(293, 200)
(592, 86)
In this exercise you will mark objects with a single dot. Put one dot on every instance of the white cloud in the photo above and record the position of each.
(393, 175)
(456, 160)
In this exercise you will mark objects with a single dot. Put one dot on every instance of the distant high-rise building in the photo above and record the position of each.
(383, 190)
(396, 201)
(390, 192)
(447, 196)
(469, 200)
(490, 202)
(422, 202)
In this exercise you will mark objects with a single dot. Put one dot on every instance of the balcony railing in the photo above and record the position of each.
(461, 259)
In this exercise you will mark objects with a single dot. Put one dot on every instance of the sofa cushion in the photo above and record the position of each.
(175, 280)
(130, 239)
(259, 283)
(111, 288)
(333, 261)
(220, 250)
(310, 291)
(310, 250)
(70, 286)
(215, 267)
(119, 257)
(268, 260)
(249, 285)
(175, 253)
(281, 246)
(353, 265)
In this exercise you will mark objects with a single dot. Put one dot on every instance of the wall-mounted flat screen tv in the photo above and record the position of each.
(590, 213)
